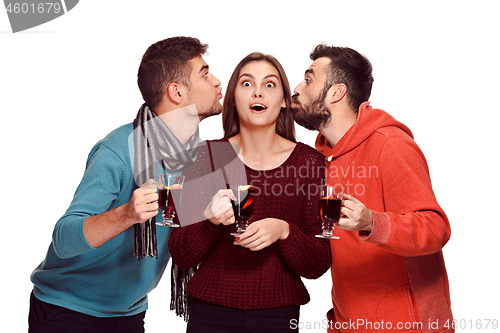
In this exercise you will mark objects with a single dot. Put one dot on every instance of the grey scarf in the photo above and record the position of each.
(154, 141)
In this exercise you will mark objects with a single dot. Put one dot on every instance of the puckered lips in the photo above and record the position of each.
(258, 107)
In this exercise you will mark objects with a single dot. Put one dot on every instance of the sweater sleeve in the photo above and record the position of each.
(190, 245)
(305, 254)
(413, 223)
(96, 192)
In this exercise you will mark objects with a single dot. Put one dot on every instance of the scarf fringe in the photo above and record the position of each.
(180, 300)
(145, 242)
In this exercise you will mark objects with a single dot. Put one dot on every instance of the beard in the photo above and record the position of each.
(205, 111)
(313, 116)
(210, 111)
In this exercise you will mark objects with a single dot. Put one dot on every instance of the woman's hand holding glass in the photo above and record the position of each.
(220, 209)
(263, 233)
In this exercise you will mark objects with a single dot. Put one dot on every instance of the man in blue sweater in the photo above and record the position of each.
(90, 280)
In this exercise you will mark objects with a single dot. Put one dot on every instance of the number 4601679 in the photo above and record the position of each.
(40, 8)
(472, 324)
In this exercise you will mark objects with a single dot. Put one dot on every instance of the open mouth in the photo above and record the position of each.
(258, 107)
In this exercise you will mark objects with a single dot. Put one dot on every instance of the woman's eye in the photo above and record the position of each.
(246, 84)
(270, 85)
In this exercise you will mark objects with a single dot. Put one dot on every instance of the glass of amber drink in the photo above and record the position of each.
(329, 209)
(169, 197)
(243, 208)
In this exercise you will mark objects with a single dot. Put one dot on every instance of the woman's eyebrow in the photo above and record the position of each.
(265, 77)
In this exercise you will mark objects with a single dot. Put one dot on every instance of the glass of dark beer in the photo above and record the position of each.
(169, 197)
(243, 208)
(329, 209)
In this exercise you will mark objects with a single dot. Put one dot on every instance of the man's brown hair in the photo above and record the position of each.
(166, 62)
(349, 67)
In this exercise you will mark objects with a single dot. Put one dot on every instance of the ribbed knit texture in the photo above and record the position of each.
(234, 276)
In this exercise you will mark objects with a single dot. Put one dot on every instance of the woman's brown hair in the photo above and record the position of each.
(284, 124)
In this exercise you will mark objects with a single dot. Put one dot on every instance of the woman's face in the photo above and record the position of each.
(259, 94)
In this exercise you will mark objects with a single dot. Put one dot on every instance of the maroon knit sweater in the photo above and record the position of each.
(233, 276)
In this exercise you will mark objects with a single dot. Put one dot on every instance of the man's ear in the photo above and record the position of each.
(336, 93)
(174, 93)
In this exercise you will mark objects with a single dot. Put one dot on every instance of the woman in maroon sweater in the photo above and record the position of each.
(252, 283)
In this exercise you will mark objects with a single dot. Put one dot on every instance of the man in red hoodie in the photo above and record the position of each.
(388, 270)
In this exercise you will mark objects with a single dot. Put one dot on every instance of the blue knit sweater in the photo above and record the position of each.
(107, 281)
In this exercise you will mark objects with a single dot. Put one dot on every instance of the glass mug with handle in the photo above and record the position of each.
(329, 209)
(169, 197)
(243, 208)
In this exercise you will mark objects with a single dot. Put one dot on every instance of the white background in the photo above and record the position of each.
(65, 84)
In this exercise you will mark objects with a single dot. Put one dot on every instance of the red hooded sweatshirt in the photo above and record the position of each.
(393, 278)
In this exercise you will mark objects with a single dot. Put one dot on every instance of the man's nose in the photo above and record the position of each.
(215, 81)
(297, 89)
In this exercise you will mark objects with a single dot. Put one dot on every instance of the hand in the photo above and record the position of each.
(358, 217)
(220, 209)
(261, 234)
(143, 204)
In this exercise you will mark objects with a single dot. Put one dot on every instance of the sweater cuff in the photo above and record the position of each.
(381, 230)
(69, 239)
(208, 228)
(289, 243)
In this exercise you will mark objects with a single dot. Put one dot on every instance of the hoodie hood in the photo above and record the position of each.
(369, 121)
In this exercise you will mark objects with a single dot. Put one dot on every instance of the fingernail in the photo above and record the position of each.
(234, 198)
(237, 239)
